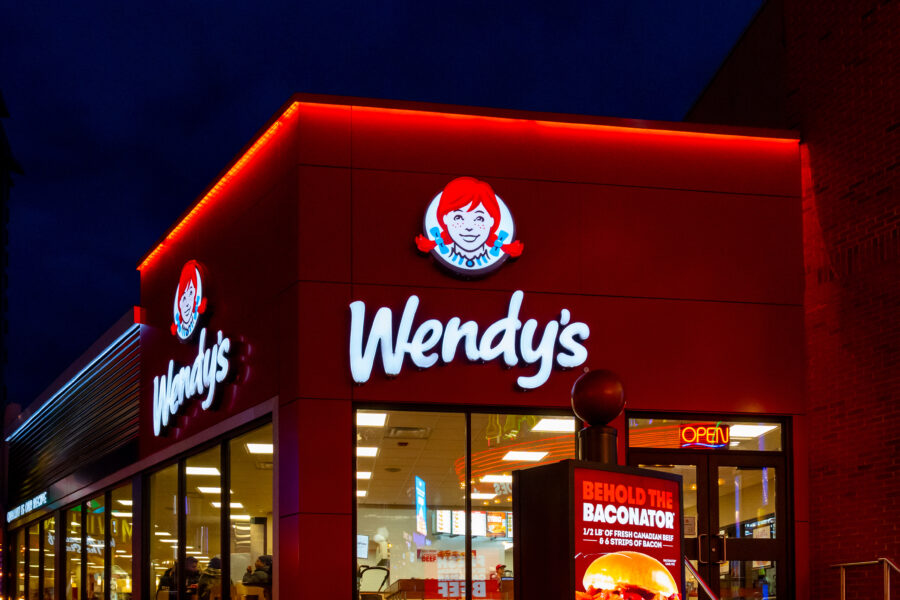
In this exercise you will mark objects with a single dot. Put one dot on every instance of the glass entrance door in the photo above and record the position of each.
(734, 519)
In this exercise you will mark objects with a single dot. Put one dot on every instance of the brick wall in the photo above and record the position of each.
(843, 91)
(842, 76)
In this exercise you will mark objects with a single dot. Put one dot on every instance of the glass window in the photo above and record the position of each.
(411, 485)
(747, 502)
(21, 565)
(411, 497)
(747, 579)
(501, 443)
(251, 519)
(705, 435)
(34, 545)
(163, 536)
(95, 521)
(250, 540)
(688, 475)
(120, 541)
(203, 475)
(73, 552)
(49, 541)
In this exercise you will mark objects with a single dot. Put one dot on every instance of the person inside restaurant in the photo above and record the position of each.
(260, 576)
(168, 583)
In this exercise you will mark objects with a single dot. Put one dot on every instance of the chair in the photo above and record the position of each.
(372, 594)
(250, 592)
(215, 591)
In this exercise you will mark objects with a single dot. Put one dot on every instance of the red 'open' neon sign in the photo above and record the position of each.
(704, 435)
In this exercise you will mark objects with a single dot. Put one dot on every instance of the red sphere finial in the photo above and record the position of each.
(598, 397)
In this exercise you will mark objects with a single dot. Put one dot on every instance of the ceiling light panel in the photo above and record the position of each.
(367, 419)
(555, 425)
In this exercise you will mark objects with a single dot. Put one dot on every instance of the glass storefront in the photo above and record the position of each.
(434, 497)
(251, 520)
(734, 477)
(226, 531)
(34, 550)
(21, 550)
(48, 540)
(72, 589)
(95, 523)
(203, 513)
(121, 536)
(163, 538)
(193, 551)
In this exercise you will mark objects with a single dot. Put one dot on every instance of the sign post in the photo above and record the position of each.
(593, 530)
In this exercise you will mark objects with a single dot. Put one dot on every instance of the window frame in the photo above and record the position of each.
(223, 442)
(467, 412)
(783, 422)
(140, 498)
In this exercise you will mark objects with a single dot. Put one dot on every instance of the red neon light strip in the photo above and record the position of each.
(223, 182)
(295, 106)
(597, 127)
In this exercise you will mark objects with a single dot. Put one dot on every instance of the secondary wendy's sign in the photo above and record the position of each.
(211, 364)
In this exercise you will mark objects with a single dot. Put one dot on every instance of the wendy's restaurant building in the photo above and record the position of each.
(376, 314)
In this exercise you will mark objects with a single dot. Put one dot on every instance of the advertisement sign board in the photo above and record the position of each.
(627, 535)
(421, 507)
(591, 531)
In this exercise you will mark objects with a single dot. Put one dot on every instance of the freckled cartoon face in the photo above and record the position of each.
(469, 229)
(186, 303)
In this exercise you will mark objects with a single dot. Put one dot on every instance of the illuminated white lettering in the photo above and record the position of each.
(453, 333)
(26, 507)
(506, 337)
(210, 367)
(569, 339)
(627, 515)
(506, 328)
(543, 354)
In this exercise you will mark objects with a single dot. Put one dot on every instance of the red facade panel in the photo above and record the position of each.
(680, 251)
(400, 140)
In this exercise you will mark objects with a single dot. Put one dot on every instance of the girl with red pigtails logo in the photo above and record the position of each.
(469, 229)
(190, 302)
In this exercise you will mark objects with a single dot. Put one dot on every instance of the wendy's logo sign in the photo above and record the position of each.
(190, 302)
(469, 229)
(516, 342)
(211, 365)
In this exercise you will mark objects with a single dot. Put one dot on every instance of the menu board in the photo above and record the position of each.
(442, 521)
(479, 523)
(496, 524)
(627, 535)
(459, 522)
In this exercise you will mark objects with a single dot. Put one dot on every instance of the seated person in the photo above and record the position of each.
(262, 576)
(210, 579)
(169, 579)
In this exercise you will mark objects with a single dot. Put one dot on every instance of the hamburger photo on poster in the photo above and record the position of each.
(627, 537)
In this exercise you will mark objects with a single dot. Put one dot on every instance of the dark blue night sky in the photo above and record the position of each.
(121, 113)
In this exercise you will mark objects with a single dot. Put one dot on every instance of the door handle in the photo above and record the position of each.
(714, 549)
(701, 555)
